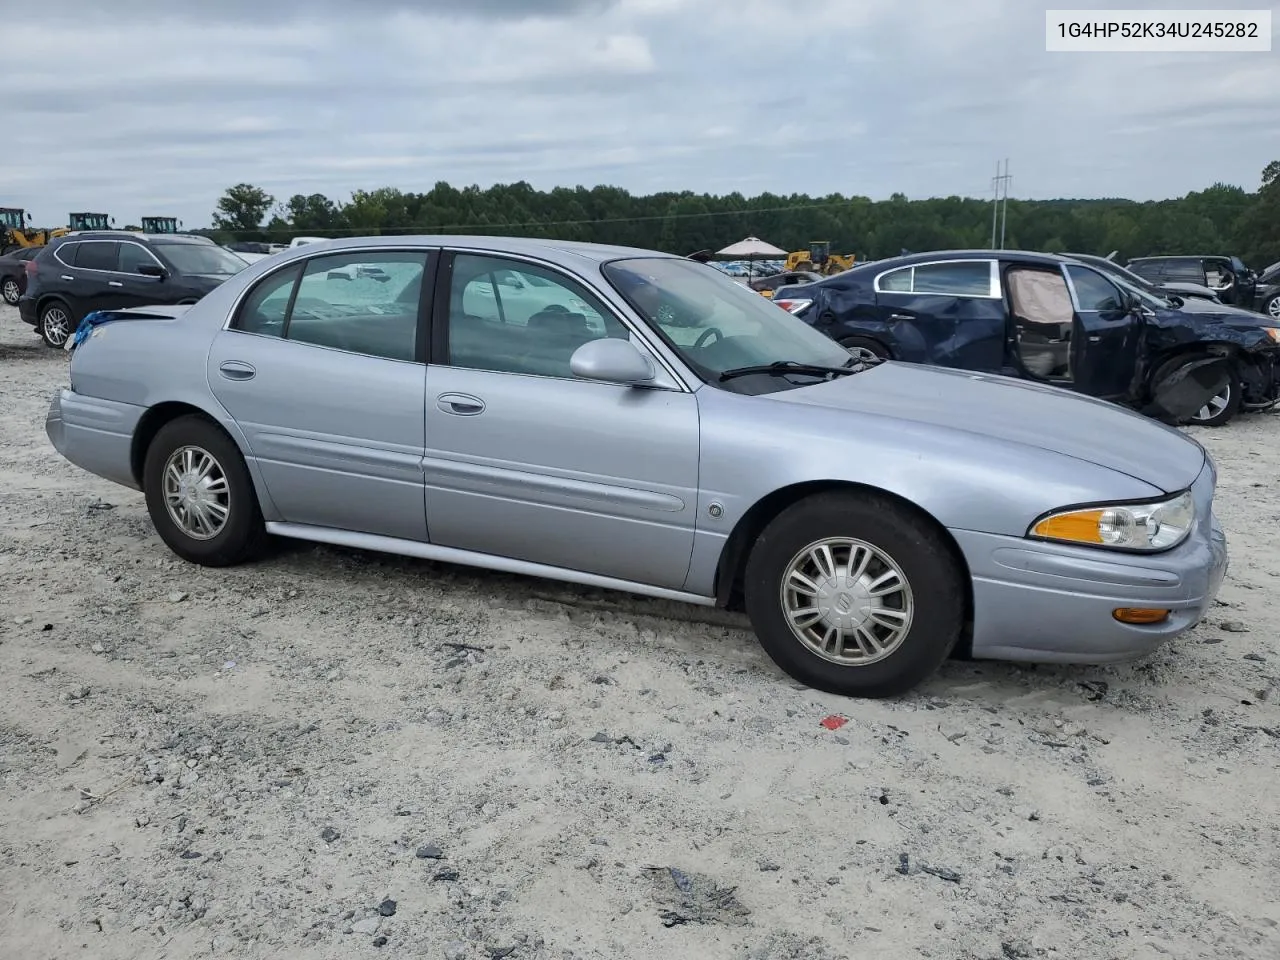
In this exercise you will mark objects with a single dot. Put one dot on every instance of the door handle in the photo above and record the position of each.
(235, 370)
(460, 404)
(114, 283)
(901, 316)
(65, 277)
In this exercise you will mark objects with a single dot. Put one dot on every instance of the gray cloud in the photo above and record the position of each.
(141, 104)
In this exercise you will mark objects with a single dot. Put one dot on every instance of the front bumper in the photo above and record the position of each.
(1053, 603)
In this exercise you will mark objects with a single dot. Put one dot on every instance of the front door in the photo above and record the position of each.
(524, 460)
(947, 313)
(136, 289)
(1106, 334)
(323, 373)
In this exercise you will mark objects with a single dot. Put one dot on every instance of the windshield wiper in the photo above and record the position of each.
(783, 367)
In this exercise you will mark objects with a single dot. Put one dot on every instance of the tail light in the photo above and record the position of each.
(793, 306)
(29, 267)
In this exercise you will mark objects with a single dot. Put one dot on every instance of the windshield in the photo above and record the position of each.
(1147, 298)
(207, 258)
(715, 324)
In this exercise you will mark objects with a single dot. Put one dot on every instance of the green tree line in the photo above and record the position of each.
(1222, 219)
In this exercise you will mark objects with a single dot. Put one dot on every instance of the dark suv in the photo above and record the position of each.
(109, 270)
(1228, 277)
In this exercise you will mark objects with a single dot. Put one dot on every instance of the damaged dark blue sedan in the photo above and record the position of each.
(1055, 320)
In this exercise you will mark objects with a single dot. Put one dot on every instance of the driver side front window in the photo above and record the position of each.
(515, 317)
(1094, 292)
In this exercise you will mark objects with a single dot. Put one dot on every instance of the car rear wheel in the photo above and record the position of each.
(56, 324)
(864, 348)
(9, 290)
(200, 495)
(854, 594)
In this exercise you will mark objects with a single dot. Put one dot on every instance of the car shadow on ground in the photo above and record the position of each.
(36, 350)
(960, 678)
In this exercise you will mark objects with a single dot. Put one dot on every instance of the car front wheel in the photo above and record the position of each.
(200, 495)
(1272, 307)
(853, 594)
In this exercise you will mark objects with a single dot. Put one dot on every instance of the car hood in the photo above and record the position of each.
(1221, 313)
(1195, 289)
(1016, 411)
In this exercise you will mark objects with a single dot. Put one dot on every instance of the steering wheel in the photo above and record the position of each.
(706, 335)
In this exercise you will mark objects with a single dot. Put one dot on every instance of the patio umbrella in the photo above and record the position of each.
(749, 249)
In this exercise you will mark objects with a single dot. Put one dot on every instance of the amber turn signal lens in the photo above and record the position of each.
(1140, 615)
(1080, 527)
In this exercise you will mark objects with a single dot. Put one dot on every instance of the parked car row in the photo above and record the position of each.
(638, 421)
(79, 273)
(1056, 320)
(1227, 277)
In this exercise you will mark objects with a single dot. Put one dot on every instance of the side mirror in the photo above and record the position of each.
(152, 270)
(611, 360)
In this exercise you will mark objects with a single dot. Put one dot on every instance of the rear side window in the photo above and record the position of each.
(972, 279)
(67, 253)
(954, 278)
(98, 255)
(264, 310)
(366, 302)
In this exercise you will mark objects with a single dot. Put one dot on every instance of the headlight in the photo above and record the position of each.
(1273, 333)
(1130, 526)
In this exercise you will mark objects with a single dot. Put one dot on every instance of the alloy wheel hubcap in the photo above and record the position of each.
(11, 291)
(196, 492)
(56, 323)
(847, 601)
(1216, 404)
(1273, 308)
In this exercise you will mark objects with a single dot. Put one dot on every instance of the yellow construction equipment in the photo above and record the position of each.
(15, 233)
(819, 259)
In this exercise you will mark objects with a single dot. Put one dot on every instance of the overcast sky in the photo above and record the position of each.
(154, 107)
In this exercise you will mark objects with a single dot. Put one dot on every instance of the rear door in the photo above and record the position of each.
(326, 377)
(1105, 335)
(88, 283)
(949, 312)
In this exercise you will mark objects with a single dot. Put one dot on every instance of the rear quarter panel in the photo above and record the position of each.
(140, 364)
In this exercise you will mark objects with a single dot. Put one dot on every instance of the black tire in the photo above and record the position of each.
(56, 324)
(920, 553)
(874, 347)
(1219, 416)
(242, 535)
(9, 290)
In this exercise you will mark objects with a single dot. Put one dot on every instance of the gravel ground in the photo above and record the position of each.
(331, 752)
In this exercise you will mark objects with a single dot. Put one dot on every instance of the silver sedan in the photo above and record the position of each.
(637, 421)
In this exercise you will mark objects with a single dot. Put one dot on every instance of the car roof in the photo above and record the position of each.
(936, 256)
(132, 235)
(1186, 256)
(565, 252)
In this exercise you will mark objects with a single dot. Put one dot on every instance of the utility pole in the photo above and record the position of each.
(1004, 206)
(995, 203)
(998, 209)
